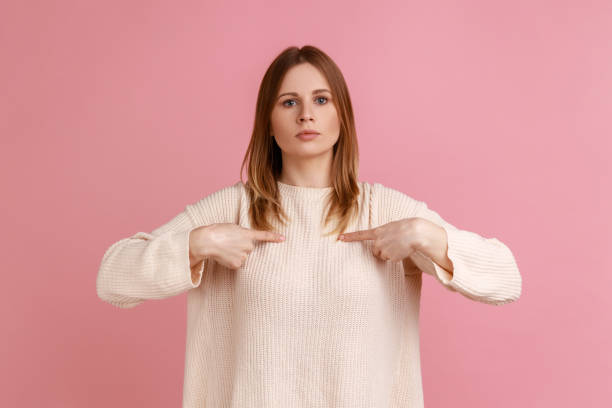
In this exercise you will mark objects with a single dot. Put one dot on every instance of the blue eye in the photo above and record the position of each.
(293, 100)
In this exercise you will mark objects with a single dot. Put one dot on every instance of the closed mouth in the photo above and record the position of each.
(308, 132)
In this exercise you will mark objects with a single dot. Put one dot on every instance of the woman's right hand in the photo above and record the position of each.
(228, 244)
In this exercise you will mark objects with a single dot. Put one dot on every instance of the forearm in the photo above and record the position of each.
(433, 243)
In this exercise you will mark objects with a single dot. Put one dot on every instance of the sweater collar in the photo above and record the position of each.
(304, 192)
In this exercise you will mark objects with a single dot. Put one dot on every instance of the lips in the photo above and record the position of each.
(307, 136)
(307, 132)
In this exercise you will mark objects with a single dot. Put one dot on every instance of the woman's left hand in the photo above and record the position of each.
(394, 241)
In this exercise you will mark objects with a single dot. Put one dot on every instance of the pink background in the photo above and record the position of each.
(115, 115)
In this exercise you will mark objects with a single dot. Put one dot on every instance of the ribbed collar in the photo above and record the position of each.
(303, 192)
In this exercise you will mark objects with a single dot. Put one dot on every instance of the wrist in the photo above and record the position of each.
(422, 229)
(205, 242)
(197, 247)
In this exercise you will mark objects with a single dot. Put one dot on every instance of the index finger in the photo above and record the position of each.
(260, 235)
(358, 235)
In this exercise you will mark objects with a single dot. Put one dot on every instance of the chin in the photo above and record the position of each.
(312, 152)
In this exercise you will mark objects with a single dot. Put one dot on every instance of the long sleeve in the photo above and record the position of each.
(156, 265)
(484, 269)
(148, 265)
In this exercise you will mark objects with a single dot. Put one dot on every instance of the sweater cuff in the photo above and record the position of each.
(181, 279)
(191, 273)
(452, 281)
(430, 267)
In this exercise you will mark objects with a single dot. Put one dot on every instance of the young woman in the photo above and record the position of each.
(303, 283)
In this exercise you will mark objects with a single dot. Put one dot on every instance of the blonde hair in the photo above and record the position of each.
(263, 156)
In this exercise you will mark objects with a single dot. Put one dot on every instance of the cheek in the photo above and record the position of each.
(282, 127)
(331, 120)
(279, 121)
(274, 120)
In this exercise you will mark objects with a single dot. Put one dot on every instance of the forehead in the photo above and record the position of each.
(303, 78)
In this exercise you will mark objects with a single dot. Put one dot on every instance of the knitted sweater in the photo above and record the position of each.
(309, 321)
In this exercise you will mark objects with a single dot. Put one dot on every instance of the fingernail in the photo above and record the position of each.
(341, 237)
(282, 237)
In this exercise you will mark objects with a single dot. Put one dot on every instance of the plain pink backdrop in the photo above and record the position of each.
(116, 114)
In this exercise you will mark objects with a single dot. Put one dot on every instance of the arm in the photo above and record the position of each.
(160, 264)
(152, 265)
(481, 269)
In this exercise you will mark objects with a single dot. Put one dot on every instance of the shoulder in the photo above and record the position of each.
(222, 205)
(390, 204)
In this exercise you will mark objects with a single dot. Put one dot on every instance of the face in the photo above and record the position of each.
(304, 101)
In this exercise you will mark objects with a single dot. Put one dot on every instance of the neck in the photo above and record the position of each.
(311, 172)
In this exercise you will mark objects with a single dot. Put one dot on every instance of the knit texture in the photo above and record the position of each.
(310, 321)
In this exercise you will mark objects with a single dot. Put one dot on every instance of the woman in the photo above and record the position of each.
(281, 312)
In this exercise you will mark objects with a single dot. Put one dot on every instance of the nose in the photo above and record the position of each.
(305, 115)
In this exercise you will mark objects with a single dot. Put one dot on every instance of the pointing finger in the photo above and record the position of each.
(358, 235)
(265, 235)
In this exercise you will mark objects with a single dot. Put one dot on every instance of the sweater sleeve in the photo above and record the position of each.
(156, 265)
(484, 269)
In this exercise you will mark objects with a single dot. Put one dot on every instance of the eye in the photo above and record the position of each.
(319, 97)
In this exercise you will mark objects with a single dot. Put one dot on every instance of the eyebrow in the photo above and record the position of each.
(295, 94)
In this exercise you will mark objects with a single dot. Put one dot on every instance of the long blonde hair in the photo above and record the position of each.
(263, 156)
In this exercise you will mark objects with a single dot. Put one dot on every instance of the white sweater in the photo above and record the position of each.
(310, 321)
